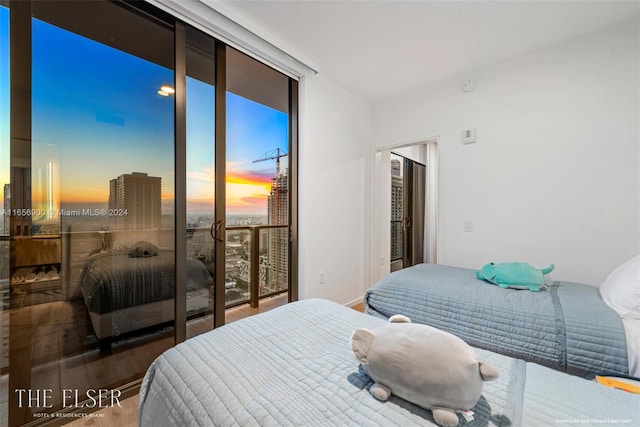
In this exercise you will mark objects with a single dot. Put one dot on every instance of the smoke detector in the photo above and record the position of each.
(469, 85)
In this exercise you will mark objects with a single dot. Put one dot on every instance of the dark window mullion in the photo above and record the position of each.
(20, 355)
(180, 78)
(293, 191)
(220, 181)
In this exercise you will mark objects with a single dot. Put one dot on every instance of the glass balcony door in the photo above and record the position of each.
(258, 153)
(203, 231)
(126, 130)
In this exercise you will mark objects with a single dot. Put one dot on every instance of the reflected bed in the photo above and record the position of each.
(124, 293)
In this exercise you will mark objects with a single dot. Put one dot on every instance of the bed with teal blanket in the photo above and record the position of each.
(566, 326)
(293, 366)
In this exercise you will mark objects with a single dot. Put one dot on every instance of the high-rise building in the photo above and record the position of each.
(397, 211)
(278, 203)
(135, 202)
(278, 246)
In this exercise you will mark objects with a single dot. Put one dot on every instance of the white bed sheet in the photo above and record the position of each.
(632, 331)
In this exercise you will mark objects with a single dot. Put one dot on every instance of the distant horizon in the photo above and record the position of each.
(166, 202)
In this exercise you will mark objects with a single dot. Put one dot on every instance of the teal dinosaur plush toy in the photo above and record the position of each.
(516, 275)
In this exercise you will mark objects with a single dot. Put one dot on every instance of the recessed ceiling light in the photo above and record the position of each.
(168, 89)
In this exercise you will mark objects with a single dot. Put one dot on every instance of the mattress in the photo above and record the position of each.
(566, 327)
(632, 329)
(293, 366)
(116, 281)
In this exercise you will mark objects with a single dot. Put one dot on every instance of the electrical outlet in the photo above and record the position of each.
(321, 277)
(468, 225)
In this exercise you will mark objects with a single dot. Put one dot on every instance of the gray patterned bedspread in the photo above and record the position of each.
(293, 366)
(113, 281)
(566, 327)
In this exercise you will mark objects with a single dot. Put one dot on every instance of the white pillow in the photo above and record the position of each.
(621, 289)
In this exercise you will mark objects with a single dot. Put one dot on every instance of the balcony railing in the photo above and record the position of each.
(256, 264)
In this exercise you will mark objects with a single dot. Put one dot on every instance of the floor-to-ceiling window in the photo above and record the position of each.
(257, 214)
(121, 130)
(4, 219)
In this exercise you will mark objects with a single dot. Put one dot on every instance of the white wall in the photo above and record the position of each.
(335, 141)
(416, 152)
(554, 176)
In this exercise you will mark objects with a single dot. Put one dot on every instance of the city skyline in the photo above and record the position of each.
(100, 132)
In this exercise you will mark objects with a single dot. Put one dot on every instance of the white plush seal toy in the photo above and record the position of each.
(423, 365)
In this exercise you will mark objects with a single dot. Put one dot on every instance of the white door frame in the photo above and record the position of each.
(427, 150)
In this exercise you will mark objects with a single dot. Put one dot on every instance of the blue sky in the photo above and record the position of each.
(96, 115)
(99, 106)
(4, 96)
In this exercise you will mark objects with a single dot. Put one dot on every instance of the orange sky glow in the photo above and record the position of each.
(247, 191)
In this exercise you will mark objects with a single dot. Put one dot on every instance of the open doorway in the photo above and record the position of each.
(405, 206)
(407, 224)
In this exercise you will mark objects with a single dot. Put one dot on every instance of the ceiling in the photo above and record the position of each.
(378, 48)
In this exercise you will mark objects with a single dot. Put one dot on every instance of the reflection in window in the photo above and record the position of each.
(200, 111)
(92, 272)
(4, 219)
(4, 131)
(101, 108)
(91, 277)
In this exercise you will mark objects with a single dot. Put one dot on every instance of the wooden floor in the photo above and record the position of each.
(127, 415)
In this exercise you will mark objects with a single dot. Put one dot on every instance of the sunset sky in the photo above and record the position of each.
(97, 115)
(4, 97)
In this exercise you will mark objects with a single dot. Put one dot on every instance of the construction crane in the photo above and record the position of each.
(270, 155)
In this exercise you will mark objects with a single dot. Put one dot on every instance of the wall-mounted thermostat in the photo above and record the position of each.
(469, 136)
